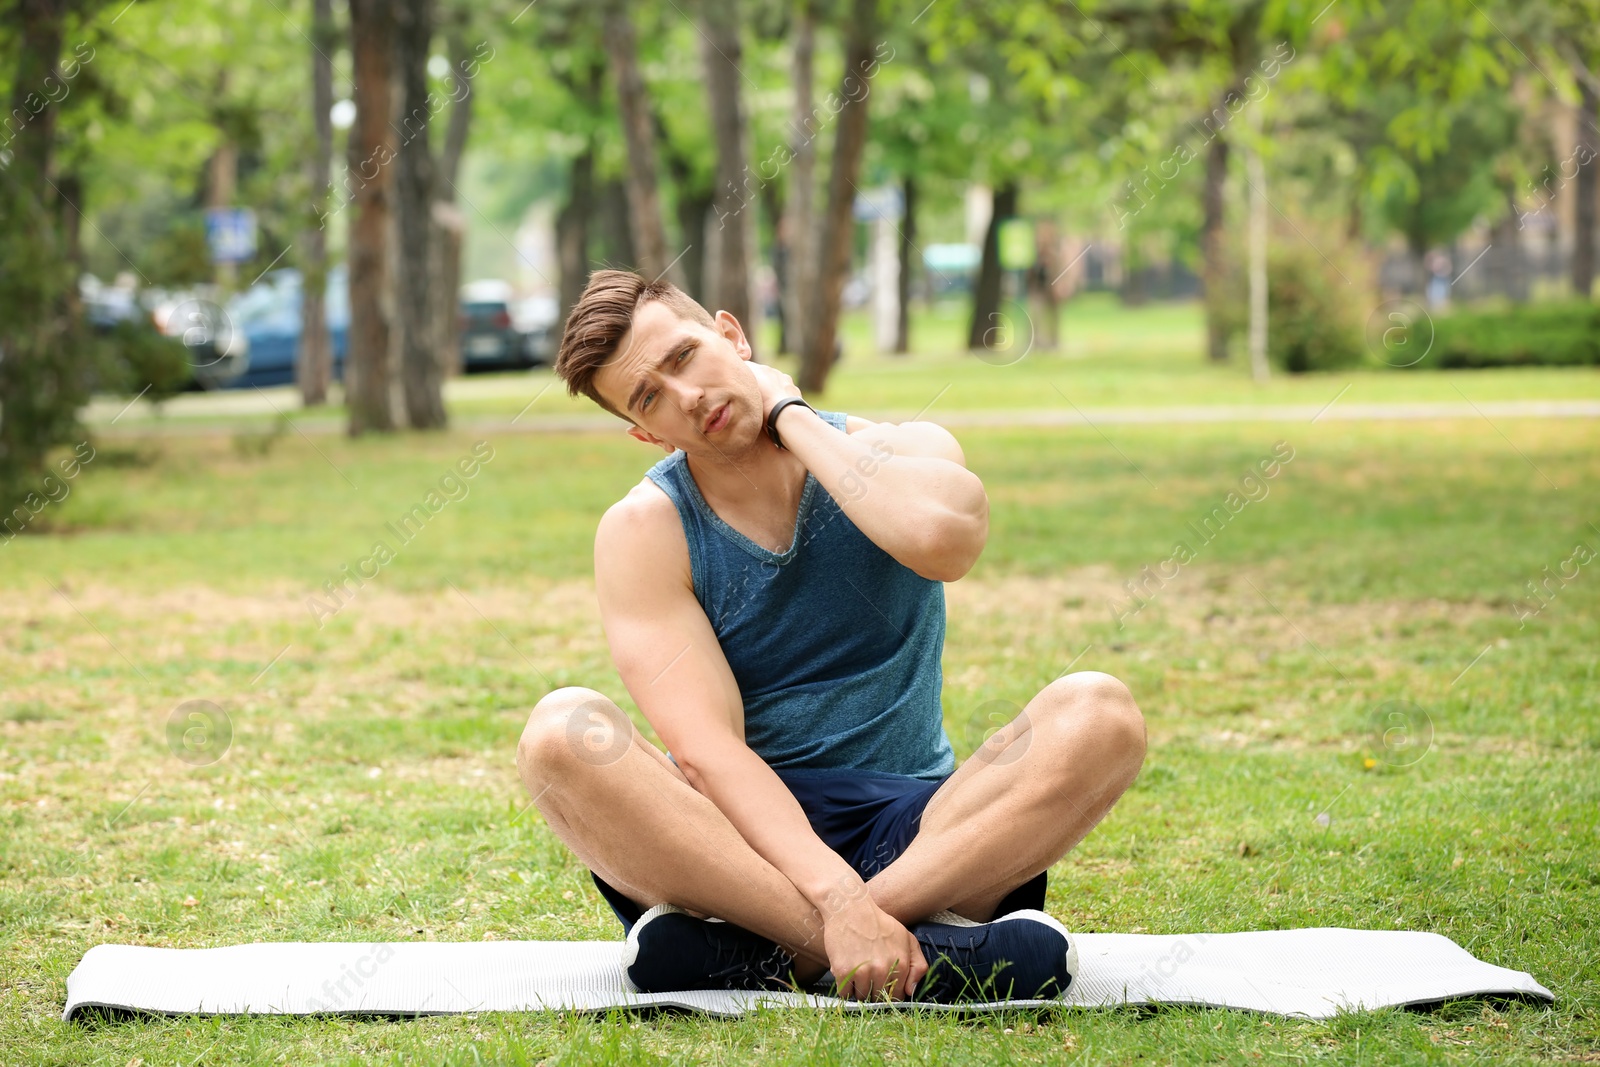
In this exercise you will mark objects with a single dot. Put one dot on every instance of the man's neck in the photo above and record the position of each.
(765, 479)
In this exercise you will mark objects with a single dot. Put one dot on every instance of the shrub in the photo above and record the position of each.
(1311, 320)
(1565, 333)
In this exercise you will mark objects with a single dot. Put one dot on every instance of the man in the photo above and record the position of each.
(772, 596)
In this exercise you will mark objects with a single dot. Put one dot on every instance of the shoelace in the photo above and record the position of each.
(747, 962)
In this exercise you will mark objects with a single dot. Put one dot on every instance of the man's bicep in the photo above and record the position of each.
(661, 641)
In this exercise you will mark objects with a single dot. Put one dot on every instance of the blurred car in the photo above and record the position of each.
(535, 319)
(950, 268)
(106, 305)
(489, 337)
(266, 317)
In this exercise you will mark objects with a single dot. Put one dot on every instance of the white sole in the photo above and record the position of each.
(950, 918)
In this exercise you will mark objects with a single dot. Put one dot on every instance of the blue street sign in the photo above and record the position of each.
(231, 234)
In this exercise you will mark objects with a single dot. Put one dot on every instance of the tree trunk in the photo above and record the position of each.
(838, 223)
(41, 375)
(721, 53)
(1046, 269)
(649, 235)
(420, 370)
(612, 223)
(986, 292)
(773, 211)
(372, 148)
(1258, 262)
(573, 220)
(1213, 265)
(419, 365)
(908, 246)
(693, 207)
(314, 361)
(1506, 238)
(222, 179)
(798, 225)
(1586, 190)
(572, 231)
(444, 250)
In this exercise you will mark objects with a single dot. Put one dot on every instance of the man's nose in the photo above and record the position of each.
(689, 396)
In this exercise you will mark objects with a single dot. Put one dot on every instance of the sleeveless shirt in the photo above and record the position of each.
(834, 643)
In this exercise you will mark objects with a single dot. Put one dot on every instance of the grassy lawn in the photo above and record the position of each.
(1109, 356)
(368, 791)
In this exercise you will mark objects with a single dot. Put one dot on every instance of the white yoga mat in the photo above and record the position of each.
(1311, 973)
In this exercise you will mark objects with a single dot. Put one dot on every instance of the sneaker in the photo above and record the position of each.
(1025, 955)
(670, 950)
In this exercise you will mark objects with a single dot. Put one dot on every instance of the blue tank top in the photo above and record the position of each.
(834, 643)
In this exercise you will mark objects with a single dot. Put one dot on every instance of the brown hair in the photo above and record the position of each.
(602, 317)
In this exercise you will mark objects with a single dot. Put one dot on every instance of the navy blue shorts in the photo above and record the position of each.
(867, 817)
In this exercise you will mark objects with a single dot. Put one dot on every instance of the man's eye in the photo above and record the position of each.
(645, 403)
(684, 354)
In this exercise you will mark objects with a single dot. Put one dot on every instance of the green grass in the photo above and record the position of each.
(369, 793)
(1109, 356)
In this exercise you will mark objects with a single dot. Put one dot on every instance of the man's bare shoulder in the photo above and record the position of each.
(641, 533)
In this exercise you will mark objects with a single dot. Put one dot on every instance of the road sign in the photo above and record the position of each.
(231, 234)
(1017, 251)
(881, 202)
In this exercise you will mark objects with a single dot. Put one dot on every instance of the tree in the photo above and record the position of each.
(1571, 31)
(644, 201)
(372, 149)
(43, 347)
(419, 368)
(314, 362)
(986, 289)
(721, 52)
(837, 222)
(796, 233)
(1587, 186)
(444, 248)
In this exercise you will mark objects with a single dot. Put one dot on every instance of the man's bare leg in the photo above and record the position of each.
(633, 818)
(1019, 804)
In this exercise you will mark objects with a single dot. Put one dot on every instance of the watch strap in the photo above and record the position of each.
(772, 416)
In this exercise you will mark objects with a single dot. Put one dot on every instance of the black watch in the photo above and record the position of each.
(772, 416)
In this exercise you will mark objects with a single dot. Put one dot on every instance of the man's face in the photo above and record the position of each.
(673, 377)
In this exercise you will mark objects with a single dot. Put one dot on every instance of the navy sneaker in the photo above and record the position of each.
(670, 950)
(1025, 955)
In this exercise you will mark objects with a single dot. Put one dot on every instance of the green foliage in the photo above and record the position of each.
(1564, 333)
(45, 351)
(1312, 321)
(132, 355)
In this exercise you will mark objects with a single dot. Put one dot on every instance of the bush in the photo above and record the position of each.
(132, 354)
(1311, 322)
(1565, 333)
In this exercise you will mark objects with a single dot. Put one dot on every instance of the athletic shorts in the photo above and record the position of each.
(867, 817)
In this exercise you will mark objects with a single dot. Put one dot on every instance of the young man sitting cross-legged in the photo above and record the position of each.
(773, 601)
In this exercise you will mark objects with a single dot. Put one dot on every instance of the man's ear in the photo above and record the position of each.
(729, 327)
(649, 439)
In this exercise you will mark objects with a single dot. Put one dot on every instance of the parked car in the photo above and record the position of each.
(536, 319)
(267, 317)
(489, 337)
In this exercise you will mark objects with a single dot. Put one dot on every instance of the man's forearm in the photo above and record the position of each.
(929, 513)
(771, 821)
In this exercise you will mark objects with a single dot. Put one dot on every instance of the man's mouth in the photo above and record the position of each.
(718, 420)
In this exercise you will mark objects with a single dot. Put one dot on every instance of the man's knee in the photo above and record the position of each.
(1104, 703)
(571, 729)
